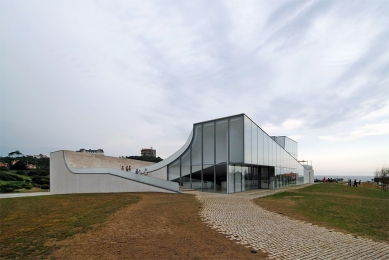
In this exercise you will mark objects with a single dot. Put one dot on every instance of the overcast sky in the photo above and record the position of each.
(126, 75)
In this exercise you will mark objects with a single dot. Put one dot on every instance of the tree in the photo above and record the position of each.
(19, 165)
(14, 154)
(382, 176)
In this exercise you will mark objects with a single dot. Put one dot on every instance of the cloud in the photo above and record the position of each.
(365, 131)
(296, 137)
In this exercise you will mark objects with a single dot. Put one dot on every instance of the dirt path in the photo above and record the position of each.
(160, 226)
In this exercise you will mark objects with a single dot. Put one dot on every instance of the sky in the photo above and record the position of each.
(126, 75)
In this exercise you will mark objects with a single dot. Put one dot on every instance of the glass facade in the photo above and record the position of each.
(233, 154)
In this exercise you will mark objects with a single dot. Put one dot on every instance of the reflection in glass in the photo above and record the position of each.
(196, 146)
(254, 144)
(208, 143)
(196, 177)
(231, 179)
(264, 178)
(247, 140)
(236, 139)
(265, 149)
(260, 147)
(208, 178)
(221, 178)
(238, 178)
(221, 141)
(185, 169)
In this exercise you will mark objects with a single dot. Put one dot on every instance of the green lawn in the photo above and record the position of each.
(27, 224)
(362, 211)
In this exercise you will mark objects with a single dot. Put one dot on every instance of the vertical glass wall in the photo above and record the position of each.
(236, 140)
(185, 169)
(234, 154)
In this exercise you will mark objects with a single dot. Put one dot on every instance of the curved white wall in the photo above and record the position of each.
(65, 179)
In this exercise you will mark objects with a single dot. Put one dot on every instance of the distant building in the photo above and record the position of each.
(98, 151)
(14, 161)
(30, 166)
(148, 152)
(4, 165)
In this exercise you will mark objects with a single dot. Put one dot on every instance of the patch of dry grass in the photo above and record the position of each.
(112, 226)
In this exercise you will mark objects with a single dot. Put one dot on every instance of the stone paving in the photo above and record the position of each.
(236, 216)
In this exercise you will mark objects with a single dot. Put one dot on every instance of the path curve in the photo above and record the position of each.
(236, 216)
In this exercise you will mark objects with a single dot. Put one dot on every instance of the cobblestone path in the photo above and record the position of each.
(236, 216)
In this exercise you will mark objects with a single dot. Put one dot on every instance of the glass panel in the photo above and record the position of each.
(270, 151)
(196, 177)
(247, 140)
(247, 178)
(221, 177)
(254, 143)
(208, 178)
(208, 143)
(231, 179)
(196, 146)
(238, 178)
(236, 139)
(185, 169)
(260, 147)
(265, 149)
(272, 181)
(274, 153)
(174, 171)
(255, 171)
(264, 178)
(221, 141)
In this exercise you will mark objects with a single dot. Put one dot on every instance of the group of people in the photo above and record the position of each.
(355, 182)
(137, 171)
(330, 180)
(128, 168)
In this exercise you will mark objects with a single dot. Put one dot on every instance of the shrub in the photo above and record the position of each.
(4, 176)
(8, 187)
(45, 187)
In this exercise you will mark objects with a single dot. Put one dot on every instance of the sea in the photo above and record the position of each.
(362, 178)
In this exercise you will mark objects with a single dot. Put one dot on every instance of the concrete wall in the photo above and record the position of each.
(160, 173)
(87, 160)
(64, 179)
(309, 174)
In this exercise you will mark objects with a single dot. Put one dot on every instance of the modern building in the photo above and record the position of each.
(148, 152)
(234, 154)
(225, 155)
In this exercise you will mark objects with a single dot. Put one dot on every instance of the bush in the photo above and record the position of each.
(40, 180)
(10, 177)
(45, 187)
(26, 186)
(8, 187)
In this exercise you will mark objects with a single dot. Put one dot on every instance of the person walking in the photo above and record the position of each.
(126, 168)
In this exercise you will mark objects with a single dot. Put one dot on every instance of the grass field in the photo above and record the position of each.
(362, 211)
(27, 224)
(112, 226)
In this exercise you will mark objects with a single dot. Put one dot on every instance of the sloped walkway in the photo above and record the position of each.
(236, 216)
